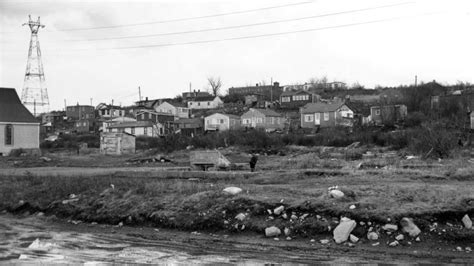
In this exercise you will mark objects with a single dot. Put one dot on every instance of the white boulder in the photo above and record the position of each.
(232, 190)
(272, 231)
(467, 221)
(408, 226)
(343, 230)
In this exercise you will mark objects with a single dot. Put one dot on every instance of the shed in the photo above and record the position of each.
(112, 143)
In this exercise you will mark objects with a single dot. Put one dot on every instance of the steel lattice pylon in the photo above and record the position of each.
(35, 94)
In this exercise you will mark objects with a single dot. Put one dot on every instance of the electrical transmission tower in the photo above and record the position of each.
(35, 94)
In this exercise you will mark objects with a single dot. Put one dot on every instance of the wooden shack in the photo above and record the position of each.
(113, 143)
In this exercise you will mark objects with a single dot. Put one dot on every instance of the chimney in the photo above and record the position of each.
(146, 99)
(276, 84)
(256, 84)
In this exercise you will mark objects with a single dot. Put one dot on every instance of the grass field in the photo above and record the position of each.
(387, 189)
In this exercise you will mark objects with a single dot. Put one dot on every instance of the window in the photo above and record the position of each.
(308, 118)
(199, 104)
(326, 116)
(259, 120)
(145, 130)
(208, 103)
(222, 121)
(9, 134)
(377, 111)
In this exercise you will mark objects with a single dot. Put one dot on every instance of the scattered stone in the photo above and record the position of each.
(376, 244)
(352, 207)
(276, 239)
(323, 241)
(459, 248)
(287, 231)
(40, 214)
(269, 211)
(372, 236)
(369, 223)
(241, 216)
(400, 237)
(129, 219)
(343, 230)
(226, 222)
(120, 224)
(418, 239)
(270, 218)
(353, 238)
(362, 223)
(232, 190)
(312, 240)
(409, 243)
(336, 193)
(302, 217)
(467, 221)
(449, 224)
(318, 217)
(468, 249)
(242, 227)
(284, 216)
(278, 210)
(293, 217)
(410, 227)
(272, 231)
(389, 220)
(390, 227)
(41, 245)
(45, 159)
(288, 238)
(394, 243)
(94, 223)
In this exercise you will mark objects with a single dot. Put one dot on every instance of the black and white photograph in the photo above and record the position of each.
(236, 132)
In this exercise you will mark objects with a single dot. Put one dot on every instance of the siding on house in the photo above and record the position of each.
(76, 112)
(326, 115)
(18, 127)
(117, 143)
(295, 99)
(141, 128)
(178, 110)
(263, 118)
(388, 114)
(205, 103)
(221, 122)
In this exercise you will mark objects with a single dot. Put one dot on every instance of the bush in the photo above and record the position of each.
(415, 119)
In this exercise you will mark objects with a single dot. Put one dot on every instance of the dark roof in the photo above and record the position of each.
(321, 107)
(228, 115)
(176, 104)
(359, 107)
(203, 98)
(11, 108)
(267, 112)
(195, 120)
(132, 124)
(291, 93)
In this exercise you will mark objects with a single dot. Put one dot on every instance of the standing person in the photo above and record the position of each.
(253, 162)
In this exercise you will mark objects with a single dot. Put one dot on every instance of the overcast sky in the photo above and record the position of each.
(373, 42)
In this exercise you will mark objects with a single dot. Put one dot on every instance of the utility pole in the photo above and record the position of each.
(416, 80)
(91, 101)
(65, 105)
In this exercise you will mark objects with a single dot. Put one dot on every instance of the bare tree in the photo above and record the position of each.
(215, 83)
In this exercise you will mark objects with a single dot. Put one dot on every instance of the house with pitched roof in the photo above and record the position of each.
(138, 128)
(326, 115)
(296, 99)
(205, 102)
(179, 110)
(263, 118)
(221, 122)
(18, 127)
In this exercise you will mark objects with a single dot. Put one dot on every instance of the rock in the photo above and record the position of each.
(408, 226)
(302, 217)
(45, 159)
(362, 223)
(372, 236)
(312, 240)
(41, 245)
(449, 224)
(284, 216)
(351, 245)
(287, 231)
(241, 216)
(394, 243)
(400, 237)
(318, 217)
(468, 249)
(343, 230)
(390, 227)
(270, 212)
(418, 239)
(467, 221)
(336, 193)
(353, 238)
(232, 190)
(352, 207)
(293, 217)
(376, 244)
(278, 210)
(40, 214)
(288, 238)
(120, 224)
(323, 241)
(459, 248)
(276, 239)
(272, 231)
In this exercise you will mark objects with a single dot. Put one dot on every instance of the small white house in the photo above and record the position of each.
(18, 127)
(221, 122)
(139, 128)
(116, 143)
(117, 120)
(209, 102)
(179, 110)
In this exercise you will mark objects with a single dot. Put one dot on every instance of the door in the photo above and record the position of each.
(317, 119)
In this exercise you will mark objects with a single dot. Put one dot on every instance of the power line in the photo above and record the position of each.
(260, 35)
(188, 18)
(245, 25)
